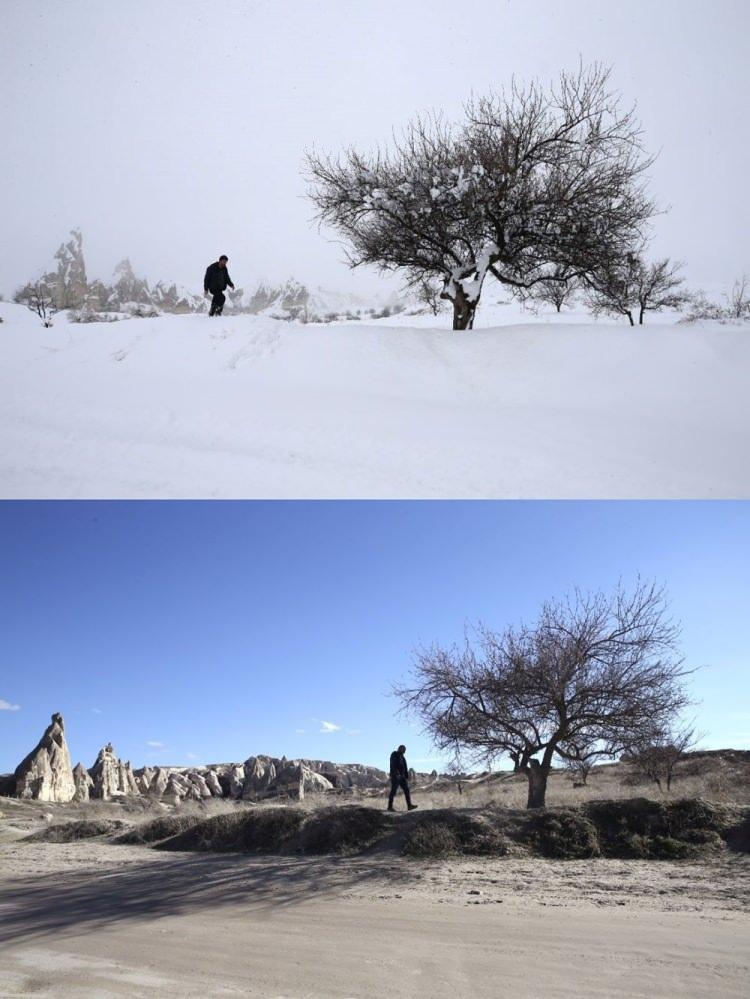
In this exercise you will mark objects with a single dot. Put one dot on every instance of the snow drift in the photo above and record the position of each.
(246, 406)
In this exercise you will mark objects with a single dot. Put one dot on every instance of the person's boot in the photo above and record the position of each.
(412, 807)
(391, 808)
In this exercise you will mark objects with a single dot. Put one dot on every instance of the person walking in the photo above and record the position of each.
(400, 778)
(215, 284)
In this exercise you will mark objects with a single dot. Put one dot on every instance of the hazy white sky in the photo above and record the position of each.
(171, 130)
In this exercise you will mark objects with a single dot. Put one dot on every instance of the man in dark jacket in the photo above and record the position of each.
(215, 283)
(399, 778)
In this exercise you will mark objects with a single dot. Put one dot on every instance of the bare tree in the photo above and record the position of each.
(590, 673)
(629, 287)
(428, 293)
(455, 771)
(656, 752)
(738, 300)
(415, 208)
(580, 760)
(557, 290)
(39, 300)
(536, 184)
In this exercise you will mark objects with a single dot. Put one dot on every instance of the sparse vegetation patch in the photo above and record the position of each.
(69, 832)
(342, 830)
(443, 832)
(158, 829)
(262, 830)
(564, 834)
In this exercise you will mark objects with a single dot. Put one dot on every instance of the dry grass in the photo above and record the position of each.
(721, 777)
(69, 832)
(439, 833)
(247, 830)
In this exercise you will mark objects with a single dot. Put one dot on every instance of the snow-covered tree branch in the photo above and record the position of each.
(537, 184)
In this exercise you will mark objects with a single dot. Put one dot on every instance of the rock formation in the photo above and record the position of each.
(235, 780)
(266, 776)
(105, 774)
(260, 774)
(46, 774)
(213, 784)
(83, 783)
(143, 779)
(158, 783)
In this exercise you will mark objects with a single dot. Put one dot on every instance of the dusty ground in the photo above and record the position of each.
(89, 919)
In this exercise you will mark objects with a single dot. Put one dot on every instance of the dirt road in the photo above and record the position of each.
(92, 920)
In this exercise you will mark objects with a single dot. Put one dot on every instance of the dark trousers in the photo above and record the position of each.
(217, 303)
(396, 783)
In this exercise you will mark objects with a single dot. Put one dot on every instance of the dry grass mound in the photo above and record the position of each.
(737, 836)
(443, 832)
(157, 829)
(641, 828)
(262, 830)
(69, 832)
(563, 833)
(637, 828)
(348, 829)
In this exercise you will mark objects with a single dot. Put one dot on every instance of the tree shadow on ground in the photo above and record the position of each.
(68, 903)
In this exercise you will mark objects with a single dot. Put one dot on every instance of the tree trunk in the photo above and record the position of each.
(640, 317)
(537, 774)
(463, 311)
(630, 317)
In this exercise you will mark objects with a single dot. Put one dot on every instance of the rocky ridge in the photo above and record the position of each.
(47, 774)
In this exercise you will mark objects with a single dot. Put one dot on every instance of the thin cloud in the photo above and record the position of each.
(326, 726)
(353, 731)
(192, 756)
(7, 706)
(154, 744)
(96, 711)
(299, 731)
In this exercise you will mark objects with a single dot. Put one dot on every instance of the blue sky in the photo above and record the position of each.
(207, 632)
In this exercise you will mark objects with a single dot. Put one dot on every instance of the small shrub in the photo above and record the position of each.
(702, 837)
(69, 832)
(690, 815)
(139, 310)
(624, 827)
(342, 829)
(669, 848)
(566, 835)
(431, 839)
(631, 845)
(88, 315)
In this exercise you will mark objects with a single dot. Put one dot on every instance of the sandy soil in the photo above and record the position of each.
(93, 920)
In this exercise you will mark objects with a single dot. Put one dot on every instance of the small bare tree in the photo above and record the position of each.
(590, 673)
(429, 294)
(629, 287)
(38, 299)
(656, 752)
(579, 761)
(557, 290)
(456, 773)
(738, 300)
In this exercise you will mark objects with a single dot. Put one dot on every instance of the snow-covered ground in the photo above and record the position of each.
(251, 407)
